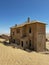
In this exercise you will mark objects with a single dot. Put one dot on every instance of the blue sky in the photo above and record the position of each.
(17, 11)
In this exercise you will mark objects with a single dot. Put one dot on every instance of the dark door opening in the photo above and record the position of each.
(22, 43)
(29, 43)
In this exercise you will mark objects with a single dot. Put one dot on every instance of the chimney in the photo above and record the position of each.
(28, 19)
(15, 24)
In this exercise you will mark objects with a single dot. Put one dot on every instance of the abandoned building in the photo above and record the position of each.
(30, 35)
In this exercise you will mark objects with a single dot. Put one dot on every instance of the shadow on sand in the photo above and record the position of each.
(15, 46)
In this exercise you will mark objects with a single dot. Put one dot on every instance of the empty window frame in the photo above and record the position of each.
(26, 42)
(18, 42)
(13, 40)
(30, 30)
(13, 33)
(18, 30)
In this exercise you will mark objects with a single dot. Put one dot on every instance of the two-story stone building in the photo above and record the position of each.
(31, 35)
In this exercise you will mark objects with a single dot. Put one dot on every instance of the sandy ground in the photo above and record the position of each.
(14, 56)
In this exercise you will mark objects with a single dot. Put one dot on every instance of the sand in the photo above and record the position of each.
(16, 56)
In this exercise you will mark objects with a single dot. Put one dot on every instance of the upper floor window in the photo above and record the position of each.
(18, 30)
(13, 33)
(30, 30)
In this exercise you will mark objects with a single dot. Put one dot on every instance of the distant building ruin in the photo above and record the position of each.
(30, 35)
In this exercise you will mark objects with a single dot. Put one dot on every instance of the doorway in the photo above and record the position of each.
(22, 43)
(29, 44)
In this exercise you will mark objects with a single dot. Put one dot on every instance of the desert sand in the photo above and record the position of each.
(16, 56)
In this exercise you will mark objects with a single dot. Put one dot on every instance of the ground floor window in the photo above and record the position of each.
(13, 40)
(26, 42)
(18, 42)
